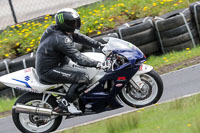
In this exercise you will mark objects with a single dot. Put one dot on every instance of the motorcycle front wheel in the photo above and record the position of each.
(29, 123)
(149, 93)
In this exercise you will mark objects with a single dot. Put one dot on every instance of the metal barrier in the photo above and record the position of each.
(16, 11)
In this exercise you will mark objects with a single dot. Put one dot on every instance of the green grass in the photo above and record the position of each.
(180, 116)
(6, 104)
(97, 18)
(173, 57)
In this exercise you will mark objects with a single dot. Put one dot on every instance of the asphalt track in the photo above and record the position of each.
(176, 84)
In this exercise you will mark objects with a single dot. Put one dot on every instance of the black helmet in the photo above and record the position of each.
(68, 20)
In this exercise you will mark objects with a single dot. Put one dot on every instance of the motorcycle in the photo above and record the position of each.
(127, 80)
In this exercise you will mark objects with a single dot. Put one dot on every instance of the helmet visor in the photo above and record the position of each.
(74, 24)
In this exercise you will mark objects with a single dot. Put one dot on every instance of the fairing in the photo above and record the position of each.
(91, 71)
(25, 80)
(127, 49)
(99, 95)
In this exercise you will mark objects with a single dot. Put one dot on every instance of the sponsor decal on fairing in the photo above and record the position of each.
(121, 79)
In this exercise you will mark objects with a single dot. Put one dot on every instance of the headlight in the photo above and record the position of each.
(116, 60)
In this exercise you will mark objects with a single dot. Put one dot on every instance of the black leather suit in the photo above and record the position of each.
(53, 54)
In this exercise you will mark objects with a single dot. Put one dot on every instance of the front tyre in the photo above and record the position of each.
(29, 123)
(149, 93)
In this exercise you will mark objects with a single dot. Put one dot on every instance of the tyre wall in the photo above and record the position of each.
(141, 33)
(176, 31)
(195, 11)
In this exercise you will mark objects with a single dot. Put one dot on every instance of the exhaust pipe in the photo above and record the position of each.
(20, 108)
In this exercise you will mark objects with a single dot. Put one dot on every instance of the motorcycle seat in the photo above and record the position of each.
(39, 79)
(45, 82)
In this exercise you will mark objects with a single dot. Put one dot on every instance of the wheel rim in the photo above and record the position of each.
(28, 121)
(148, 92)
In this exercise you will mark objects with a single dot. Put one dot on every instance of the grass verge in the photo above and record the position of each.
(180, 116)
(175, 60)
(6, 105)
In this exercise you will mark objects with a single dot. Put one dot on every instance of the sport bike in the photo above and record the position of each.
(126, 80)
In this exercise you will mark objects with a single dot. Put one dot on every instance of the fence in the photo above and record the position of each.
(16, 11)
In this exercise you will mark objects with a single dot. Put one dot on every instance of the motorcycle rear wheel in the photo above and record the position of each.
(149, 94)
(26, 123)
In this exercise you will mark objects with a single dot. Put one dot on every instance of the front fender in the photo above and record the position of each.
(144, 69)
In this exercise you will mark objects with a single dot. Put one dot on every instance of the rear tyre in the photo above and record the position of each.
(150, 92)
(28, 123)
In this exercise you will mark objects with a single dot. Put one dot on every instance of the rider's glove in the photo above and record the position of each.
(104, 66)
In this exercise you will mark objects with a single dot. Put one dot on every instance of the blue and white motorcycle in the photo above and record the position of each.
(126, 81)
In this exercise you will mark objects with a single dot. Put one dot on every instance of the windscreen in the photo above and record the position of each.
(127, 49)
(118, 44)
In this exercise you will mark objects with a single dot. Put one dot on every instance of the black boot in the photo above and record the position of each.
(65, 105)
(67, 102)
(74, 91)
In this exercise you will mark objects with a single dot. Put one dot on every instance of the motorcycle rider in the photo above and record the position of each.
(57, 48)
